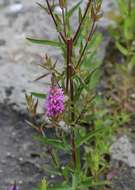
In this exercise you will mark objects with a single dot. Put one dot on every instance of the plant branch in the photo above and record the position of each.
(87, 42)
(129, 7)
(69, 83)
(73, 148)
(69, 62)
(72, 99)
(84, 109)
(64, 24)
(54, 20)
(83, 18)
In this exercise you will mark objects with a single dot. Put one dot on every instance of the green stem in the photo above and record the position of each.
(129, 7)
(73, 148)
(64, 24)
(55, 162)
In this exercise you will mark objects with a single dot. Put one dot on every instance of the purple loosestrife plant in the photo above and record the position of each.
(54, 104)
(82, 127)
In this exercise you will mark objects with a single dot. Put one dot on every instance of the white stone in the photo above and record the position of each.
(16, 7)
(58, 10)
(122, 150)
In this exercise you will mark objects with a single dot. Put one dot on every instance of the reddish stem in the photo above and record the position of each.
(83, 18)
(87, 42)
(69, 83)
(69, 62)
(51, 13)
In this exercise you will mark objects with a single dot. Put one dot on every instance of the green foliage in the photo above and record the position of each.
(83, 131)
(56, 143)
(44, 42)
(123, 34)
(43, 185)
(72, 10)
(38, 95)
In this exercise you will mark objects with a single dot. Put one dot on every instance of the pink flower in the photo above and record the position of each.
(54, 104)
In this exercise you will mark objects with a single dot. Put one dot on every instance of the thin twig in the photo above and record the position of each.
(73, 148)
(69, 62)
(64, 24)
(87, 42)
(72, 98)
(41, 77)
(51, 13)
(71, 94)
(129, 7)
(83, 111)
(80, 25)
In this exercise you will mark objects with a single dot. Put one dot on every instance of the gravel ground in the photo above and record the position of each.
(20, 158)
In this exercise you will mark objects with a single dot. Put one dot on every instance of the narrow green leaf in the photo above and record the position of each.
(90, 183)
(42, 6)
(56, 157)
(56, 143)
(80, 14)
(44, 42)
(122, 49)
(100, 183)
(41, 77)
(87, 137)
(123, 7)
(74, 182)
(64, 187)
(131, 64)
(38, 95)
(85, 84)
(73, 9)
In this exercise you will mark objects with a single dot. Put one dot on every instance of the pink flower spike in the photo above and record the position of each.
(54, 104)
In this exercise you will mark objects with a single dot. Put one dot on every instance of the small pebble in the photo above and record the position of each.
(2, 42)
(62, 167)
(20, 182)
(20, 159)
(3, 161)
(13, 134)
(52, 176)
(58, 10)
(16, 7)
(8, 154)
